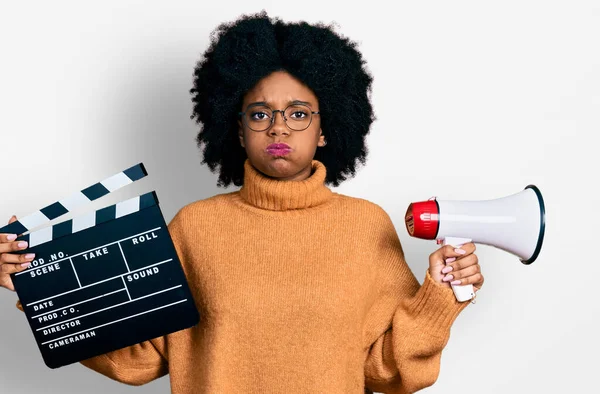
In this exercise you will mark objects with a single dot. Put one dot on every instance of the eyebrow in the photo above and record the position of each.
(289, 103)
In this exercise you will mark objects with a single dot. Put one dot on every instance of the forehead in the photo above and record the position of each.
(280, 88)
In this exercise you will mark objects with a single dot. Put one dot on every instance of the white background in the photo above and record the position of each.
(474, 100)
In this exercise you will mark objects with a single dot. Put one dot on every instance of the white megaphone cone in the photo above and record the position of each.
(515, 224)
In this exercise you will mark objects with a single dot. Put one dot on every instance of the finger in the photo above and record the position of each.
(475, 280)
(5, 238)
(453, 276)
(6, 282)
(449, 251)
(477, 285)
(463, 273)
(468, 280)
(9, 237)
(12, 268)
(16, 258)
(13, 246)
(457, 265)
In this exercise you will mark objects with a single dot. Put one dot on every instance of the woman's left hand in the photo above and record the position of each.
(456, 266)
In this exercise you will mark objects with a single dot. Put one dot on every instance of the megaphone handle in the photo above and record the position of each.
(461, 292)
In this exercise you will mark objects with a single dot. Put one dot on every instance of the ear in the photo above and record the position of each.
(241, 133)
(321, 141)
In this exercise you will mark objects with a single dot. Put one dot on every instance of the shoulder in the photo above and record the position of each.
(357, 205)
(216, 201)
(213, 205)
(370, 218)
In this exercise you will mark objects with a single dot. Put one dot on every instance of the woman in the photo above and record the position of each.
(300, 289)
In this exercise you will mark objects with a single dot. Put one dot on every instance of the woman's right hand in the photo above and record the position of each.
(10, 262)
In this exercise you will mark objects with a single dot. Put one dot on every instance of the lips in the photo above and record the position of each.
(279, 149)
(278, 146)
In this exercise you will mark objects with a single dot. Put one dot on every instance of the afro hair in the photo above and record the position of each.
(243, 52)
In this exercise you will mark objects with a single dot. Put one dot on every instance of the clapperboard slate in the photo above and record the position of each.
(101, 281)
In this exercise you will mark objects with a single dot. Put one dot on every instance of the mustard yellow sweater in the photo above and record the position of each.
(300, 290)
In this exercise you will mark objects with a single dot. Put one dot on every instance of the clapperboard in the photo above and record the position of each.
(101, 281)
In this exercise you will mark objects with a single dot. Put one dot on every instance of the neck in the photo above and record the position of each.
(280, 195)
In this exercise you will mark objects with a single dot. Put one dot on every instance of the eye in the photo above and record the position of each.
(298, 114)
(259, 115)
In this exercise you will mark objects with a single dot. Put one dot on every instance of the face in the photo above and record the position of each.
(277, 91)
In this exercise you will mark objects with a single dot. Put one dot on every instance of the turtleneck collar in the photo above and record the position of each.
(276, 195)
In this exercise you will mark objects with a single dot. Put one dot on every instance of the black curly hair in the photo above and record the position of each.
(243, 52)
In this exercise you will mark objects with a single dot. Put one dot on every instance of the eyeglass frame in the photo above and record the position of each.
(274, 111)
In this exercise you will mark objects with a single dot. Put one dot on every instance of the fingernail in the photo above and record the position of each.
(29, 256)
(447, 269)
(11, 237)
(22, 244)
(460, 251)
(450, 259)
(25, 265)
(447, 278)
(456, 282)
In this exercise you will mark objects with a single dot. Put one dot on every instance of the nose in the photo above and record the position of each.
(279, 126)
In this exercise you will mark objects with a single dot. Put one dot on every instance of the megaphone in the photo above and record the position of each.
(515, 224)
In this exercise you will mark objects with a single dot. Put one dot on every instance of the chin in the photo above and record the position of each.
(279, 167)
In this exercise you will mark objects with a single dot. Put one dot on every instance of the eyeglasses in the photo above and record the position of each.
(259, 117)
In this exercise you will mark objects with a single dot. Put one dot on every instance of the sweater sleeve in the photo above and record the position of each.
(407, 324)
(144, 362)
(135, 365)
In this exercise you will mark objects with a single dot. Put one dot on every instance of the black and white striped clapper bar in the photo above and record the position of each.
(101, 281)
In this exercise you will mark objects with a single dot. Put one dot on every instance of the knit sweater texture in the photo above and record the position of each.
(300, 290)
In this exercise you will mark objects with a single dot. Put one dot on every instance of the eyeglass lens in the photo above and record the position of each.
(297, 117)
